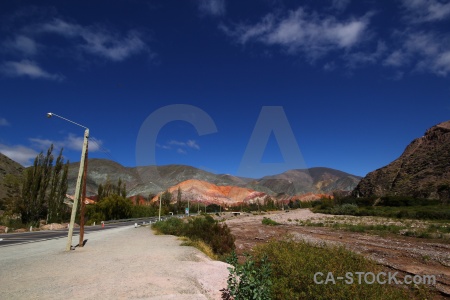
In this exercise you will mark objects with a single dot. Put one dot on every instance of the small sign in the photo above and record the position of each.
(186, 210)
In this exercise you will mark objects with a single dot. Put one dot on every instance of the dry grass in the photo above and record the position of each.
(200, 245)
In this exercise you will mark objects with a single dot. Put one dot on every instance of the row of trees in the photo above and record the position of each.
(112, 203)
(40, 192)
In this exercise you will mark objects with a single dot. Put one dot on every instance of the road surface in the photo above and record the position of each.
(12, 239)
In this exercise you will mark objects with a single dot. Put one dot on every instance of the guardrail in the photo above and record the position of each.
(152, 219)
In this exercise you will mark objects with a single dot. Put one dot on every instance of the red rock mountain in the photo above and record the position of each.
(207, 193)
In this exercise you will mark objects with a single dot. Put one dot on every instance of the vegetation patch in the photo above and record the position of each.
(269, 222)
(286, 270)
(389, 206)
(203, 228)
(200, 245)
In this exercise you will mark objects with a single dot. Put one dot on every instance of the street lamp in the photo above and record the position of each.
(159, 208)
(81, 173)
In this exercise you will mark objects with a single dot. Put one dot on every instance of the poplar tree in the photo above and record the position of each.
(44, 189)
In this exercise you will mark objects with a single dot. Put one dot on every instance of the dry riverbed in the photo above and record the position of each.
(408, 255)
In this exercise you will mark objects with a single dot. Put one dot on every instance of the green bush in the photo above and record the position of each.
(346, 209)
(172, 226)
(269, 221)
(251, 280)
(217, 235)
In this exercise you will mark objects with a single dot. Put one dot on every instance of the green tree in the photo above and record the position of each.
(58, 189)
(115, 207)
(123, 191)
(35, 187)
(43, 189)
(99, 192)
(269, 203)
(166, 198)
(109, 189)
(179, 202)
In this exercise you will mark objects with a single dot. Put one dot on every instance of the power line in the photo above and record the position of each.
(102, 149)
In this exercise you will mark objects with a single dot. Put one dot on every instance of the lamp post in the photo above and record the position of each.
(159, 208)
(77, 187)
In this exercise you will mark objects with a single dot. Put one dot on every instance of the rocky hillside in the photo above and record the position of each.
(8, 166)
(313, 180)
(423, 170)
(152, 180)
(207, 193)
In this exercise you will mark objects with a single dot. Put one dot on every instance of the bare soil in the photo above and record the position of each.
(407, 255)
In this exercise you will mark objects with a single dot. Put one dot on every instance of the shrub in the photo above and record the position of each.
(250, 280)
(346, 209)
(293, 265)
(269, 221)
(172, 226)
(218, 236)
(203, 228)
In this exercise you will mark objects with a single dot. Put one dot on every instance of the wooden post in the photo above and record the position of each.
(83, 197)
(77, 191)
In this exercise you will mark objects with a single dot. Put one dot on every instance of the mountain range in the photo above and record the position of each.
(422, 171)
(155, 179)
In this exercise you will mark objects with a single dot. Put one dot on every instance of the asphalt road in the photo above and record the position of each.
(12, 239)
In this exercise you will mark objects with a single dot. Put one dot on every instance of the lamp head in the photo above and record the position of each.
(49, 115)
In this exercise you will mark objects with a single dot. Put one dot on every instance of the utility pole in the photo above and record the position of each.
(81, 172)
(160, 207)
(77, 190)
(83, 197)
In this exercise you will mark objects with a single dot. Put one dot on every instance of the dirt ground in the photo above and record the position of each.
(407, 255)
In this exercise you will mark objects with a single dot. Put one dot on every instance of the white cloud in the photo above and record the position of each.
(4, 122)
(299, 31)
(22, 44)
(420, 11)
(358, 59)
(71, 142)
(27, 68)
(181, 151)
(396, 59)
(98, 41)
(177, 143)
(422, 51)
(181, 145)
(20, 154)
(165, 147)
(340, 5)
(192, 144)
(212, 7)
(442, 63)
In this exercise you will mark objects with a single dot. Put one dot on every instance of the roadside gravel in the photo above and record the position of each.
(122, 263)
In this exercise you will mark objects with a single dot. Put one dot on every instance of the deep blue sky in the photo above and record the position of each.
(358, 80)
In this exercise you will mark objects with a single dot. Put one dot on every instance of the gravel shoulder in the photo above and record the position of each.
(123, 263)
